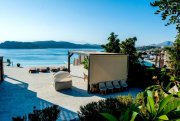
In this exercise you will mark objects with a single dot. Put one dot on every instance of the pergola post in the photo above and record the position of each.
(69, 60)
(88, 85)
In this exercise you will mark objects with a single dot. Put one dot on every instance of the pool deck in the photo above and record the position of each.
(21, 91)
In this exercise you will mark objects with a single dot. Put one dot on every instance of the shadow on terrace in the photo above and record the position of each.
(17, 100)
(76, 91)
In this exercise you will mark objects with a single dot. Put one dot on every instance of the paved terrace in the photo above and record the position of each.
(21, 91)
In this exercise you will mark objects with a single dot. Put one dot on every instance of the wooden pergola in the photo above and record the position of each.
(85, 53)
(105, 61)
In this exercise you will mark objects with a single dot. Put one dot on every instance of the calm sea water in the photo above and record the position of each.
(38, 57)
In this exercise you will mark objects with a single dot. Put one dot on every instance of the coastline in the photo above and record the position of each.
(38, 66)
(39, 57)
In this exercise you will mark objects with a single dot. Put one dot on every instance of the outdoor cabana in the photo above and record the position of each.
(103, 66)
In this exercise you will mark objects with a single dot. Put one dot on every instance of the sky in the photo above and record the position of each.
(82, 21)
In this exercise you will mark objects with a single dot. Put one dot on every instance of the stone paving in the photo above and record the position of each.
(21, 91)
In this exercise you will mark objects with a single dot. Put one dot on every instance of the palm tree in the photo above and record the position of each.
(113, 44)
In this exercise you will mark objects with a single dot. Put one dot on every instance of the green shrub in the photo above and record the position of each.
(141, 76)
(155, 100)
(167, 108)
(162, 108)
(47, 114)
(86, 63)
(174, 114)
(125, 101)
(91, 111)
(140, 101)
(113, 106)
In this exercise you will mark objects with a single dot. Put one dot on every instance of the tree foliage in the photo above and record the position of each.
(125, 47)
(128, 47)
(174, 53)
(166, 108)
(113, 44)
(47, 114)
(86, 63)
(113, 106)
(169, 9)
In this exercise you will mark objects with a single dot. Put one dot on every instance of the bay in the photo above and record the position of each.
(39, 57)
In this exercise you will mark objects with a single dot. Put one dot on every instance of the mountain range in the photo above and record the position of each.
(153, 46)
(62, 44)
(163, 44)
(44, 44)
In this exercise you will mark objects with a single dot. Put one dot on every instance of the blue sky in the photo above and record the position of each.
(82, 21)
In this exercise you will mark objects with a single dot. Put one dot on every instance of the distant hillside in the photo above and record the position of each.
(44, 44)
(153, 46)
(163, 44)
(143, 48)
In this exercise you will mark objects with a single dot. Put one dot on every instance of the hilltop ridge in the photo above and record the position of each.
(44, 44)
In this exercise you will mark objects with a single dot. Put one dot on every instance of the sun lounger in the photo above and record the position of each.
(63, 68)
(109, 86)
(62, 80)
(102, 87)
(123, 84)
(43, 69)
(116, 85)
(53, 69)
(32, 70)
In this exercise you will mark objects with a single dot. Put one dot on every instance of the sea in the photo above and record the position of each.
(39, 57)
(42, 57)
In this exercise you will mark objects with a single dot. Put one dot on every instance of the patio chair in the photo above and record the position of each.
(109, 86)
(116, 85)
(102, 87)
(123, 84)
(94, 88)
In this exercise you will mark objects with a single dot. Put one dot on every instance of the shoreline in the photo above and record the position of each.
(37, 66)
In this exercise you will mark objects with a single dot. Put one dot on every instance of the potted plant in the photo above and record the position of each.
(18, 64)
(9, 62)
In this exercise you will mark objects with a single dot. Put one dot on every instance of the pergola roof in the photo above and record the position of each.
(88, 53)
